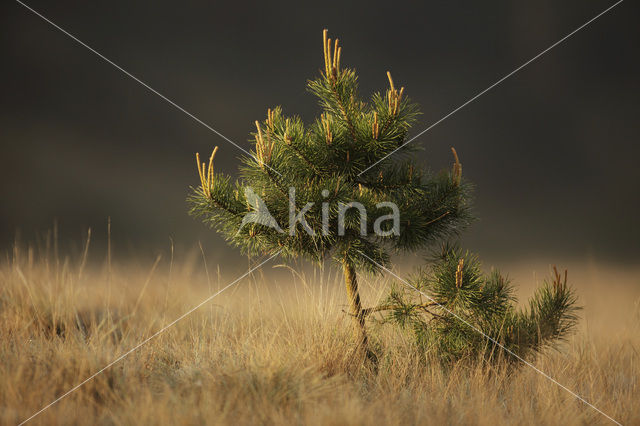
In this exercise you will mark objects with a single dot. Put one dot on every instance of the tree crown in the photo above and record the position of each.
(312, 174)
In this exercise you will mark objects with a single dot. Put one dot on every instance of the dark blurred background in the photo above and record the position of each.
(553, 150)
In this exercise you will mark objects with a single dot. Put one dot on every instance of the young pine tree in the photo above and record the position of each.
(303, 190)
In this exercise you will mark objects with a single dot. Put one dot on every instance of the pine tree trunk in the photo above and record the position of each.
(355, 307)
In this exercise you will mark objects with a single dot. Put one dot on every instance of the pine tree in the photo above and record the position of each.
(328, 163)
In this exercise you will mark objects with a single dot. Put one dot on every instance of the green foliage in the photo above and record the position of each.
(459, 307)
(329, 164)
(329, 155)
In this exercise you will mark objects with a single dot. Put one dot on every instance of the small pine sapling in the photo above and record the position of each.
(311, 177)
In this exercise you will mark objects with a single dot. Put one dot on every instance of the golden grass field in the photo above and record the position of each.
(276, 349)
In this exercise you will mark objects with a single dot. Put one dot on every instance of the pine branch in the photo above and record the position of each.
(352, 129)
(393, 307)
(303, 157)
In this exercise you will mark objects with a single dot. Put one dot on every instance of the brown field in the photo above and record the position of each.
(276, 349)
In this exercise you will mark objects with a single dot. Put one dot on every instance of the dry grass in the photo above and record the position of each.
(276, 350)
